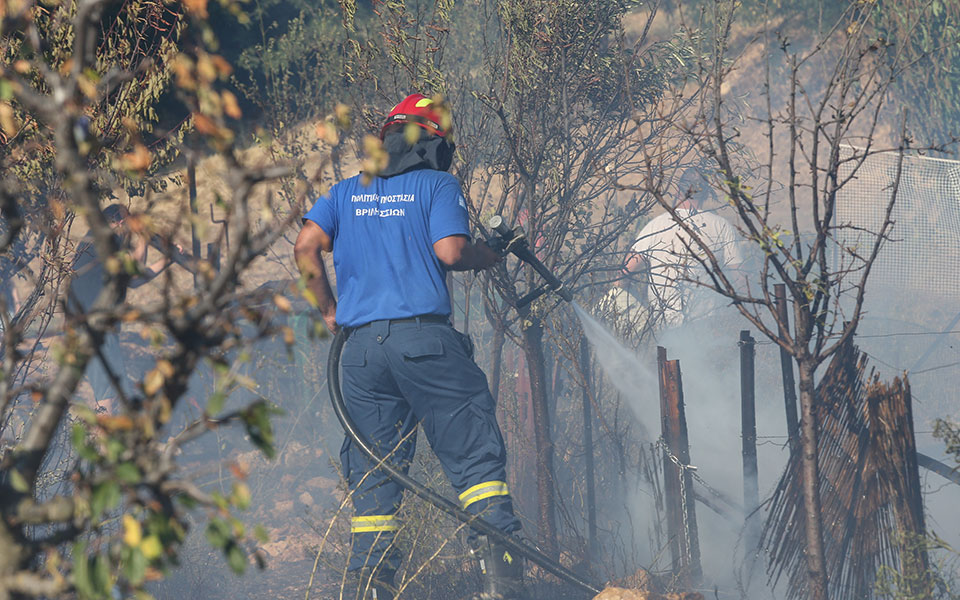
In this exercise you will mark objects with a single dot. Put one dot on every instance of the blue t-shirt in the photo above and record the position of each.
(383, 237)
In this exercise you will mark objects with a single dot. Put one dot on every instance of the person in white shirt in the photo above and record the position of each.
(664, 259)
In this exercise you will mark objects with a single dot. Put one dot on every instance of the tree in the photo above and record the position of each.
(575, 104)
(122, 467)
(825, 110)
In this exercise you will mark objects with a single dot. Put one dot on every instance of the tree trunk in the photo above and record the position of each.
(533, 351)
(588, 466)
(816, 566)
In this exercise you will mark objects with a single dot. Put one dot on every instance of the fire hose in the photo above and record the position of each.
(508, 241)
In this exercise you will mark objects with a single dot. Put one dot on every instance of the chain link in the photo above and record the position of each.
(694, 471)
(684, 468)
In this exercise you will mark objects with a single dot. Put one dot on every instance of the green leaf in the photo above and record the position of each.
(134, 566)
(238, 528)
(19, 482)
(188, 502)
(6, 90)
(256, 419)
(78, 436)
(218, 533)
(101, 578)
(260, 534)
(241, 495)
(114, 448)
(220, 369)
(128, 473)
(215, 403)
(81, 571)
(236, 558)
(220, 500)
(105, 496)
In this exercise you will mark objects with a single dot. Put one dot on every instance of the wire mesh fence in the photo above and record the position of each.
(922, 255)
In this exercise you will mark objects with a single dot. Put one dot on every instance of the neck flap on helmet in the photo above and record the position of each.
(428, 152)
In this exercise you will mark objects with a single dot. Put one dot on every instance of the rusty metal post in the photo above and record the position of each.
(213, 256)
(748, 432)
(786, 369)
(679, 495)
(671, 472)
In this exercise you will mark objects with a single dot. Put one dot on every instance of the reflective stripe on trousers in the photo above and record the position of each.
(372, 523)
(482, 491)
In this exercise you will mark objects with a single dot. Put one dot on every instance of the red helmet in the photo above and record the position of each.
(416, 108)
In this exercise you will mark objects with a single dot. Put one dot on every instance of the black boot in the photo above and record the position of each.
(502, 570)
(368, 584)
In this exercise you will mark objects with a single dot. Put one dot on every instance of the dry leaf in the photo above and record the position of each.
(222, 66)
(239, 471)
(206, 69)
(57, 208)
(132, 531)
(165, 367)
(151, 548)
(376, 157)
(138, 160)
(183, 71)
(197, 8)
(342, 112)
(282, 303)
(112, 423)
(205, 124)
(230, 105)
(130, 125)
(7, 120)
(152, 382)
(87, 86)
(327, 132)
(411, 133)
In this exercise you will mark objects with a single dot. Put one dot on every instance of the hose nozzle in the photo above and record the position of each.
(497, 224)
(513, 241)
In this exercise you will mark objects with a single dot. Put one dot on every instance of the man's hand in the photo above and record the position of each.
(486, 257)
(330, 320)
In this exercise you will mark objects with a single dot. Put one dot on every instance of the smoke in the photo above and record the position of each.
(709, 362)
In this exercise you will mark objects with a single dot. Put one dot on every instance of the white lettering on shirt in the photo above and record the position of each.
(383, 199)
(376, 211)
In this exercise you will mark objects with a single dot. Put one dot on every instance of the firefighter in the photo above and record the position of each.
(403, 363)
(666, 261)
